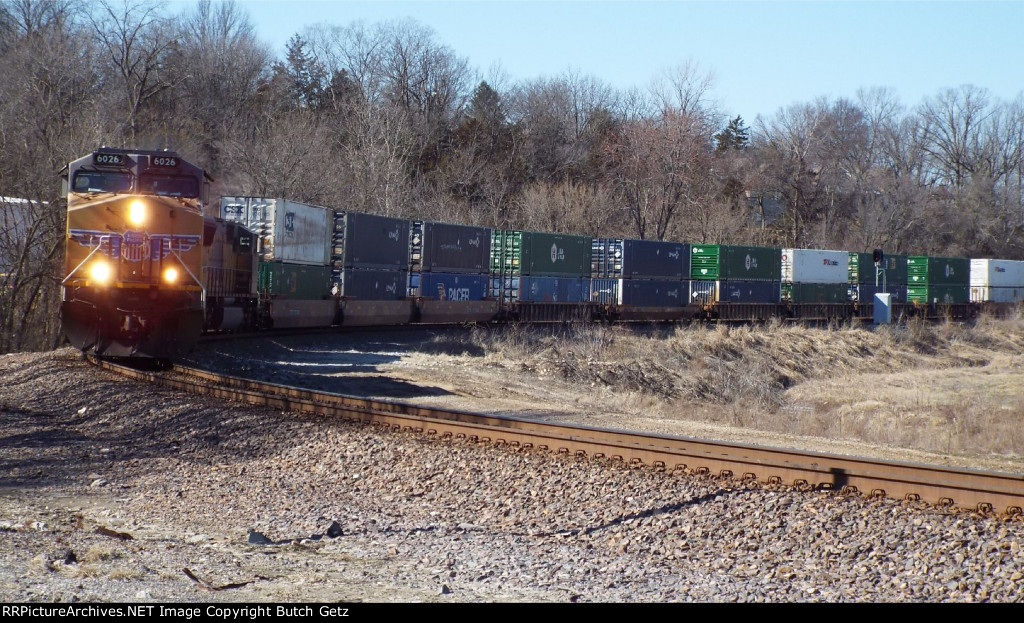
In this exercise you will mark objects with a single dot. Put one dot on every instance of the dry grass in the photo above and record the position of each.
(934, 387)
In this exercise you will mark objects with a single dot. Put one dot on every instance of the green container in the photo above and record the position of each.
(926, 270)
(704, 261)
(732, 262)
(815, 292)
(540, 253)
(862, 268)
(294, 281)
(951, 271)
(938, 294)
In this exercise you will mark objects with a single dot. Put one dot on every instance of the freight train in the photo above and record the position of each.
(148, 270)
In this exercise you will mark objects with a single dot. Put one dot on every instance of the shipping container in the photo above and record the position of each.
(989, 294)
(653, 293)
(515, 252)
(815, 292)
(816, 266)
(640, 259)
(939, 293)
(604, 290)
(443, 247)
(294, 281)
(370, 241)
(865, 292)
(862, 268)
(997, 273)
(373, 284)
(736, 291)
(927, 270)
(539, 289)
(727, 262)
(288, 231)
(449, 286)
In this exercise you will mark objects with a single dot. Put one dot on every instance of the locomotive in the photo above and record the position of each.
(147, 272)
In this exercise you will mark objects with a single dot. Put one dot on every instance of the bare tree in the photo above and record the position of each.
(220, 66)
(47, 116)
(137, 41)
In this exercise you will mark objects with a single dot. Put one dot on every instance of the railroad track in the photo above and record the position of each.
(983, 491)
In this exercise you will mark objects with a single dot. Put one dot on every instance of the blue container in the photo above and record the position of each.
(554, 289)
(654, 293)
(371, 284)
(748, 291)
(448, 286)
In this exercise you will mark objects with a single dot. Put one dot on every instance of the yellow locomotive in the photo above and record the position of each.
(134, 254)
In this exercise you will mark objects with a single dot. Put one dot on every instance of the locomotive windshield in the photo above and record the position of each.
(169, 185)
(102, 182)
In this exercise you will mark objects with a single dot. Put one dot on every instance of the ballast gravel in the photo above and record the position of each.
(115, 491)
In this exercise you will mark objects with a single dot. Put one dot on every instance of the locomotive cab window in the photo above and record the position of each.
(102, 182)
(169, 185)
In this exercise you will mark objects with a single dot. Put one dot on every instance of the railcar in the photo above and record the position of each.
(133, 253)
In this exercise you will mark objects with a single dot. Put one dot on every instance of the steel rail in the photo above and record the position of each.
(984, 491)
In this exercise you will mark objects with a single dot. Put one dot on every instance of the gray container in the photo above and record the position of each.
(370, 241)
(369, 284)
(640, 259)
(604, 290)
(288, 231)
(654, 293)
(444, 247)
(737, 291)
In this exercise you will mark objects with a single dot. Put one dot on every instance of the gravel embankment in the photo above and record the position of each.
(419, 520)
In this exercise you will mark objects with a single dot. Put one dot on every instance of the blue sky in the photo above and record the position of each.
(764, 55)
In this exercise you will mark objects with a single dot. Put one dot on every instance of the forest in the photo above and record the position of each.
(385, 118)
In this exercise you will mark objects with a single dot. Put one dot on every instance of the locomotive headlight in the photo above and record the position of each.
(100, 272)
(171, 275)
(137, 213)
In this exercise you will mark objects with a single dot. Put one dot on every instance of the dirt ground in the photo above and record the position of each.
(926, 397)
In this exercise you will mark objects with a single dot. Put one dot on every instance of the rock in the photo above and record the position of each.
(257, 538)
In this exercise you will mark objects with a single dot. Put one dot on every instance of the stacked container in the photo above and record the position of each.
(640, 273)
(938, 279)
(293, 246)
(997, 281)
(863, 277)
(370, 259)
(449, 262)
(815, 276)
(547, 259)
(293, 251)
(735, 274)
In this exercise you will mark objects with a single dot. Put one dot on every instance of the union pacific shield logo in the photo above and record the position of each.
(134, 246)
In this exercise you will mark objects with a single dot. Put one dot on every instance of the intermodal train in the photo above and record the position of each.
(148, 270)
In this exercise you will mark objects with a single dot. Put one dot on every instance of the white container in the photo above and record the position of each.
(289, 231)
(815, 266)
(997, 274)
